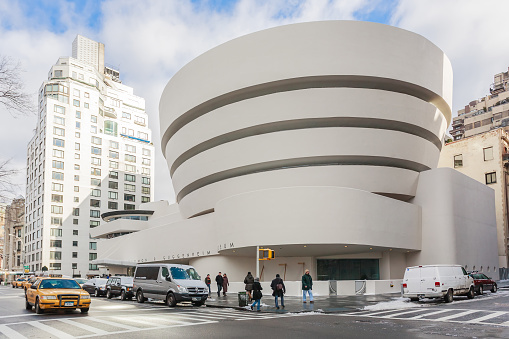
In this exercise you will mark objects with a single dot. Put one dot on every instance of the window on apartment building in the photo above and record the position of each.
(129, 188)
(59, 109)
(87, 95)
(92, 256)
(74, 266)
(143, 135)
(85, 104)
(113, 184)
(95, 203)
(76, 166)
(76, 93)
(112, 195)
(75, 243)
(95, 182)
(75, 232)
(129, 207)
(145, 170)
(78, 125)
(95, 213)
(491, 178)
(56, 232)
(114, 164)
(95, 161)
(92, 246)
(57, 74)
(58, 142)
(95, 193)
(113, 154)
(95, 171)
(130, 148)
(97, 140)
(92, 267)
(59, 131)
(55, 266)
(77, 146)
(96, 150)
(145, 190)
(74, 254)
(57, 209)
(77, 134)
(55, 243)
(93, 129)
(57, 164)
(126, 115)
(78, 115)
(77, 156)
(113, 175)
(93, 118)
(75, 221)
(76, 199)
(458, 160)
(146, 161)
(146, 152)
(130, 168)
(57, 198)
(488, 153)
(59, 120)
(76, 188)
(114, 144)
(145, 199)
(56, 221)
(76, 103)
(76, 212)
(57, 175)
(112, 205)
(55, 255)
(130, 158)
(94, 223)
(58, 153)
(76, 177)
(130, 177)
(145, 180)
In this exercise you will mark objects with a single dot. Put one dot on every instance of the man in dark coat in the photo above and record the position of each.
(219, 281)
(307, 286)
(278, 286)
(249, 281)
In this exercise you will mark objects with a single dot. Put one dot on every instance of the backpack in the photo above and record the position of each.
(279, 287)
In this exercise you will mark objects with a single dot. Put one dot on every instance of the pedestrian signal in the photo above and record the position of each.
(266, 254)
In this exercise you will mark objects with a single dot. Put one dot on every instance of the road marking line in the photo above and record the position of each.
(106, 322)
(145, 322)
(489, 316)
(457, 315)
(83, 326)
(430, 313)
(10, 333)
(400, 313)
(50, 330)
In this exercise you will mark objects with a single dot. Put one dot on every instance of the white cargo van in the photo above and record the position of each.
(437, 281)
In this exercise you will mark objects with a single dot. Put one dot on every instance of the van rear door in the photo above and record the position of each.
(413, 280)
(428, 278)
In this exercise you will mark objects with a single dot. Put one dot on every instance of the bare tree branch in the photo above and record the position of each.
(12, 94)
(8, 189)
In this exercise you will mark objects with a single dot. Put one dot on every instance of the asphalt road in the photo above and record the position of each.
(483, 317)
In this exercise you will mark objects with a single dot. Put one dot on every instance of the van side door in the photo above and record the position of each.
(165, 284)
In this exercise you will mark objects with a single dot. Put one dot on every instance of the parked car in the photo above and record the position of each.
(29, 282)
(437, 281)
(81, 281)
(120, 286)
(56, 293)
(482, 283)
(96, 286)
(169, 282)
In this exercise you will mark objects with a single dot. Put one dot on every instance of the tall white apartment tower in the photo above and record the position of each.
(91, 153)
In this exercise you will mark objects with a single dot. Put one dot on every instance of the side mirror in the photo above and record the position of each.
(33, 287)
(93, 284)
(168, 278)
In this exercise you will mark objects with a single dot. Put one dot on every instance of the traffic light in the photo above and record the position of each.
(266, 254)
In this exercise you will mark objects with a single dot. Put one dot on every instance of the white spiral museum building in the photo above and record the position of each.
(318, 140)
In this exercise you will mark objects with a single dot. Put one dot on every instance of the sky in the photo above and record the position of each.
(149, 41)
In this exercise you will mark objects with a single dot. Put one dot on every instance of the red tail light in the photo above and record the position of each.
(437, 283)
(404, 285)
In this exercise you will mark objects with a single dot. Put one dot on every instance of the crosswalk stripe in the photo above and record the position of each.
(489, 316)
(127, 327)
(457, 315)
(428, 314)
(83, 326)
(400, 313)
(51, 330)
(10, 333)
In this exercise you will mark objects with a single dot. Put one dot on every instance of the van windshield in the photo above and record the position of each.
(180, 273)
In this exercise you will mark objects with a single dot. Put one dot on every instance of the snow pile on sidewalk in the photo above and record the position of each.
(396, 303)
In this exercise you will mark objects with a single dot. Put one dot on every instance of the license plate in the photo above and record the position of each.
(69, 303)
(420, 296)
(196, 299)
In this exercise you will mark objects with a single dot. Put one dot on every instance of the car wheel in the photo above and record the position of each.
(170, 300)
(139, 297)
(122, 295)
(198, 303)
(96, 293)
(84, 310)
(480, 290)
(38, 308)
(108, 294)
(471, 293)
(414, 299)
(27, 305)
(448, 296)
(494, 289)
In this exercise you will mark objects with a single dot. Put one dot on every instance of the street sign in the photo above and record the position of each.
(27, 268)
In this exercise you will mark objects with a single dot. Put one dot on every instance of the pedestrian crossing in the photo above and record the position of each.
(465, 316)
(125, 322)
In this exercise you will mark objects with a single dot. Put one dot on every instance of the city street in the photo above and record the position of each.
(483, 317)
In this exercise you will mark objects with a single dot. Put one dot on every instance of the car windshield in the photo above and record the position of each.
(81, 281)
(477, 276)
(59, 283)
(127, 280)
(193, 274)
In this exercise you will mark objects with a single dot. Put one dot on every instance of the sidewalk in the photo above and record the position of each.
(293, 304)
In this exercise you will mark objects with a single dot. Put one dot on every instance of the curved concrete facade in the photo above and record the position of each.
(291, 106)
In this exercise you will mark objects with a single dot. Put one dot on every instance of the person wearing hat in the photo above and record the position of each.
(278, 286)
(249, 280)
(257, 294)
(307, 286)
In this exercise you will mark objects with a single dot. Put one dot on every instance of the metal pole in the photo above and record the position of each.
(257, 261)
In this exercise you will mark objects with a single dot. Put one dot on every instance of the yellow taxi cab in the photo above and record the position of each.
(18, 282)
(27, 283)
(57, 293)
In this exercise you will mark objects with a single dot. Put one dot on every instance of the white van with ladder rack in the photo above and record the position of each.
(437, 281)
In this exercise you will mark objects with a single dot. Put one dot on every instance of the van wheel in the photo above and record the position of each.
(96, 293)
(480, 290)
(139, 297)
(471, 293)
(170, 300)
(494, 289)
(448, 296)
(108, 294)
(27, 305)
(414, 299)
(122, 295)
(38, 308)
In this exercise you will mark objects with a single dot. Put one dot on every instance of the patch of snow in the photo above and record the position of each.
(396, 303)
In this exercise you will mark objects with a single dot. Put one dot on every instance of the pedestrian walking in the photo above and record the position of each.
(208, 281)
(279, 289)
(219, 281)
(307, 286)
(257, 294)
(249, 281)
(225, 284)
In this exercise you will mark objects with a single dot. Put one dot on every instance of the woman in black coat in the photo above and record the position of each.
(257, 294)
